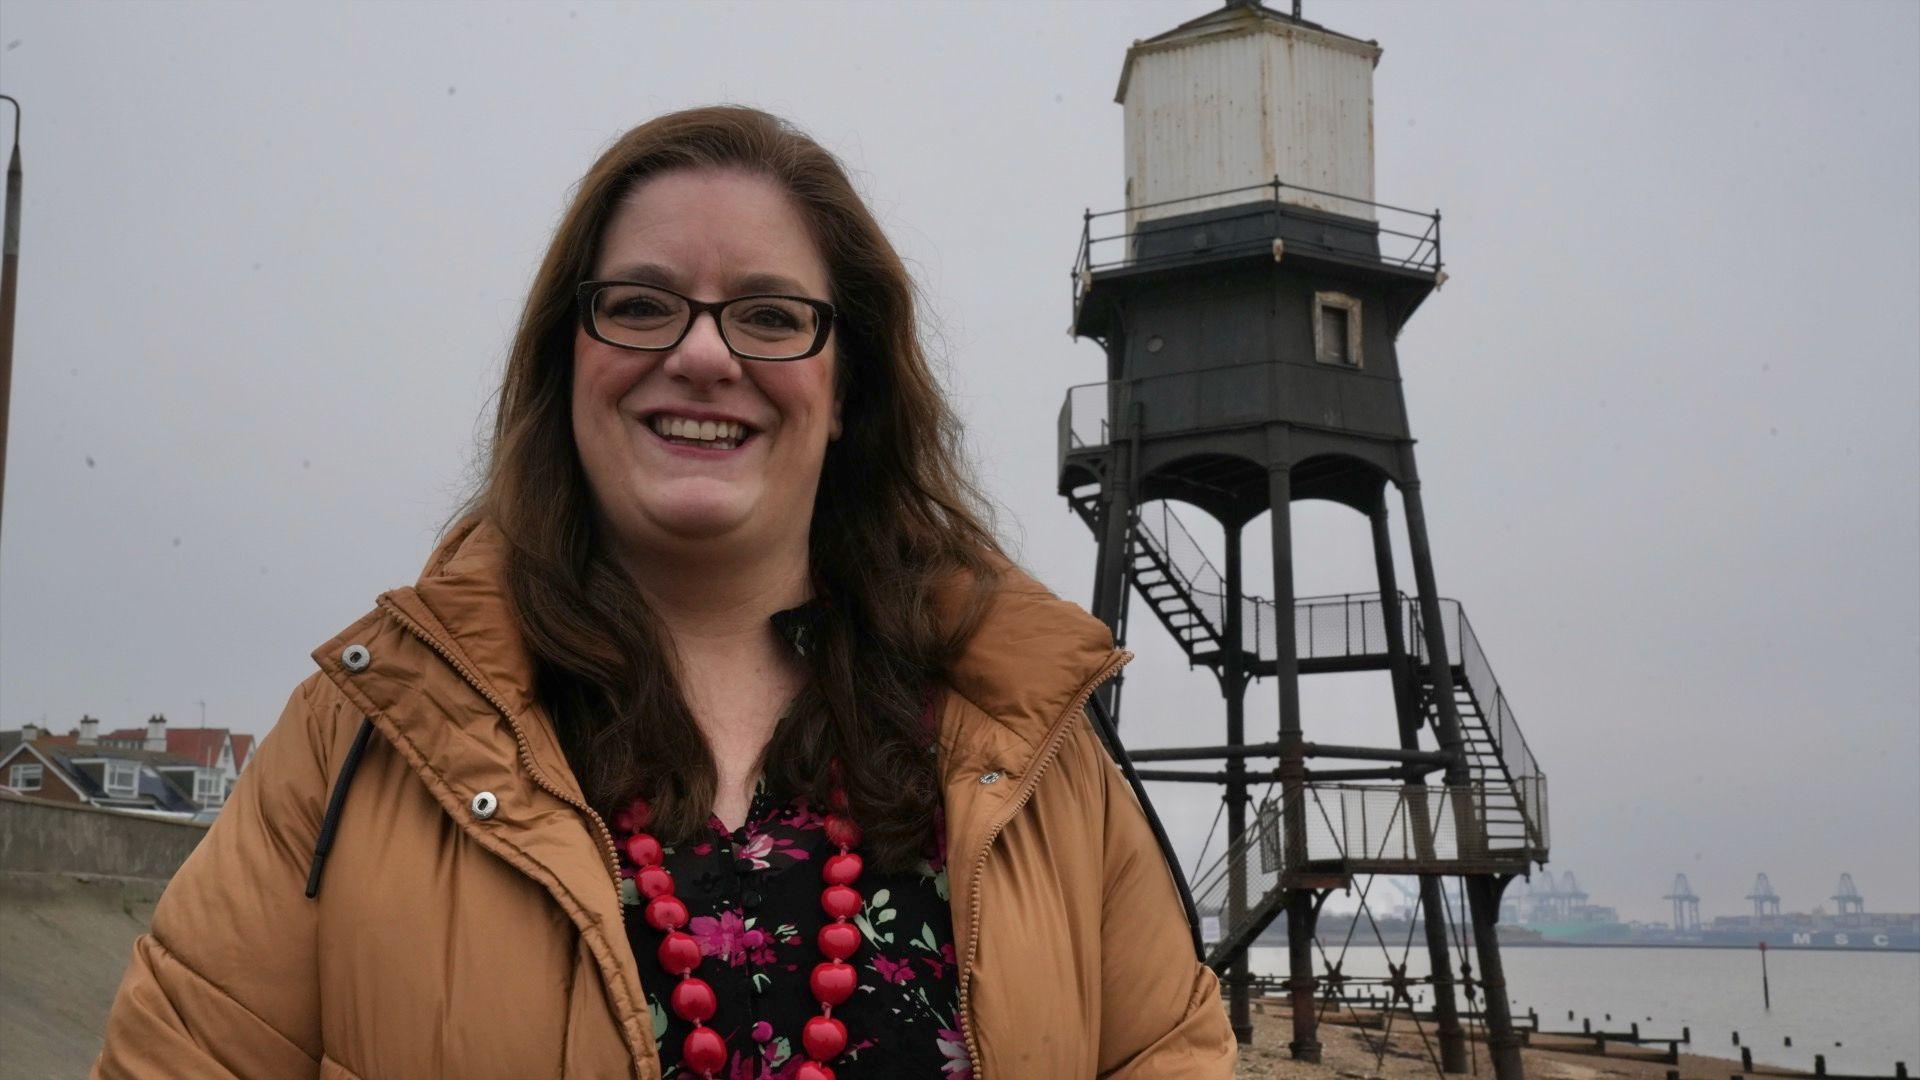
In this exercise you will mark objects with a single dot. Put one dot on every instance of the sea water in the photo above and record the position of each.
(1860, 1009)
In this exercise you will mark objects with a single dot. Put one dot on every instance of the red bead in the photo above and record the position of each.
(679, 953)
(666, 913)
(840, 901)
(824, 1038)
(693, 1000)
(841, 869)
(839, 940)
(842, 832)
(654, 881)
(833, 981)
(704, 1050)
(812, 1070)
(643, 849)
(640, 813)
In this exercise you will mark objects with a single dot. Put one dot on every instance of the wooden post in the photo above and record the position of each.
(1766, 991)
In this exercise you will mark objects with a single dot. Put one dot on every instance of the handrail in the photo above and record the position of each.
(1369, 828)
(1423, 255)
(1275, 184)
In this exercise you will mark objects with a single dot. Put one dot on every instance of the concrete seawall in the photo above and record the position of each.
(77, 886)
(37, 836)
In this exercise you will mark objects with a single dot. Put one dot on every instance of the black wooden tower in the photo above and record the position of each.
(1248, 299)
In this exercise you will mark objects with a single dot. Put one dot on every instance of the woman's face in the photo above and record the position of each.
(710, 234)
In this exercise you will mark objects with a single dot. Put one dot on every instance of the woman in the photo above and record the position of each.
(658, 769)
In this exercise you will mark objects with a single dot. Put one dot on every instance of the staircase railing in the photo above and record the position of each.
(1350, 625)
(1358, 828)
(1206, 590)
(1510, 744)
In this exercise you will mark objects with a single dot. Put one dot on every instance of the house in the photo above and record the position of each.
(217, 755)
(184, 770)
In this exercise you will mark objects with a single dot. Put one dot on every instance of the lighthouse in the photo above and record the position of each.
(1248, 300)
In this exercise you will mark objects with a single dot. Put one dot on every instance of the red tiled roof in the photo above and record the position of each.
(242, 746)
(200, 745)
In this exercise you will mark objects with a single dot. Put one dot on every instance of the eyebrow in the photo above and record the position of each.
(745, 284)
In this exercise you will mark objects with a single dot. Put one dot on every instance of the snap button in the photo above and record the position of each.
(483, 805)
(988, 778)
(356, 657)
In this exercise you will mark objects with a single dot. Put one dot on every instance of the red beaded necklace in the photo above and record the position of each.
(693, 1000)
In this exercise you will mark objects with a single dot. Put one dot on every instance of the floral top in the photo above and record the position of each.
(754, 895)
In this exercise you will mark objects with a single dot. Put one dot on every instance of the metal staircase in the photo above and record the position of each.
(1496, 822)
(1186, 593)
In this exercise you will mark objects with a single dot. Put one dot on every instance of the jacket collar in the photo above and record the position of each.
(1023, 667)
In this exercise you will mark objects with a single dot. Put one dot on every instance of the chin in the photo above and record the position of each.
(694, 519)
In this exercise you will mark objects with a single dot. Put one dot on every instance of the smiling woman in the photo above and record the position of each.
(660, 767)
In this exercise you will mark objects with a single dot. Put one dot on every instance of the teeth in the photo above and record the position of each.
(725, 432)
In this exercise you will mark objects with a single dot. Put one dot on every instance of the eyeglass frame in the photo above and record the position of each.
(586, 290)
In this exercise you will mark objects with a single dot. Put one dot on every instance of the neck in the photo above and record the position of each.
(713, 605)
(736, 673)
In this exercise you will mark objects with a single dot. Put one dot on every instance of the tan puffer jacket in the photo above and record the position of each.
(448, 942)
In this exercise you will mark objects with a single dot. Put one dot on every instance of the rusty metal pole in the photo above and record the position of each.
(1301, 904)
(1433, 908)
(9, 285)
(1233, 681)
(1483, 892)
(1483, 906)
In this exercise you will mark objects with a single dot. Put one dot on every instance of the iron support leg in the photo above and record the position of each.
(1110, 566)
(1302, 906)
(1233, 684)
(1433, 910)
(1446, 1013)
(1433, 629)
(1239, 989)
(1483, 900)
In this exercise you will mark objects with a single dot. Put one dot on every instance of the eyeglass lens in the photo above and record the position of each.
(766, 327)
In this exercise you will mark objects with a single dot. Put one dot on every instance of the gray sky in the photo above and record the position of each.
(1668, 404)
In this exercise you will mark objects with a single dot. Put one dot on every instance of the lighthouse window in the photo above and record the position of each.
(1333, 328)
(1336, 329)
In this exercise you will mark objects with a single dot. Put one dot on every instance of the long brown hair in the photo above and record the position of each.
(895, 517)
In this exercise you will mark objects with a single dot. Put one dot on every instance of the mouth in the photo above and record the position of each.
(711, 435)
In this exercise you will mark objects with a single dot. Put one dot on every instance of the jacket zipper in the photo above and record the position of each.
(1048, 751)
(600, 829)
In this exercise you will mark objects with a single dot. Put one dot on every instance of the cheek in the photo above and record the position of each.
(599, 382)
(602, 376)
(807, 395)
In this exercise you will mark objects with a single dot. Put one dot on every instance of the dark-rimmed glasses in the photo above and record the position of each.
(765, 326)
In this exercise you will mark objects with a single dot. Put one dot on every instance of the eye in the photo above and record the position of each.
(636, 307)
(771, 320)
(770, 317)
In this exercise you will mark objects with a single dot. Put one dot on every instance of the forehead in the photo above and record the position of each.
(711, 229)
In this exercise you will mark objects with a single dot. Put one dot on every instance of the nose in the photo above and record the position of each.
(702, 357)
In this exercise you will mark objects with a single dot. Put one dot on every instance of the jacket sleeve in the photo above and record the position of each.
(224, 984)
(1161, 1014)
